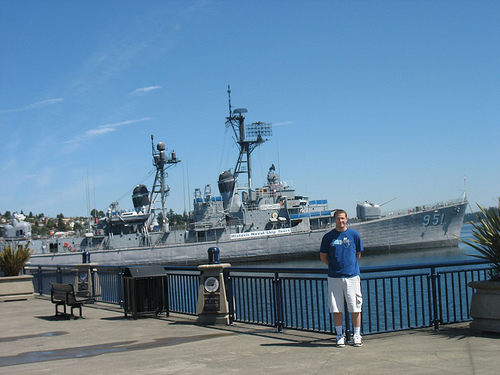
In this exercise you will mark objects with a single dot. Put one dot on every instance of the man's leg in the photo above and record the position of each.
(355, 301)
(356, 323)
(336, 300)
(337, 319)
(356, 319)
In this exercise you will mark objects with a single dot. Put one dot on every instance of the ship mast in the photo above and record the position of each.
(161, 163)
(255, 131)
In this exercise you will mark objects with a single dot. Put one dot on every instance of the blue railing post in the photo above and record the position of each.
(347, 319)
(40, 281)
(120, 286)
(278, 302)
(59, 275)
(440, 298)
(230, 299)
(92, 278)
(434, 302)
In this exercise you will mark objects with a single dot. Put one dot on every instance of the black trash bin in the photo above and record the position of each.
(145, 291)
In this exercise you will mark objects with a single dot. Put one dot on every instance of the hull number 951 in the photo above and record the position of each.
(434, 219)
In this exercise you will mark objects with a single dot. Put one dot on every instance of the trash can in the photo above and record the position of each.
(145, 291)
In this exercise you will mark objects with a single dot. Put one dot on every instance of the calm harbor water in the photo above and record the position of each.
(458, 253)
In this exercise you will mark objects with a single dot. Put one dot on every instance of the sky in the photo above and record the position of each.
(368, 100)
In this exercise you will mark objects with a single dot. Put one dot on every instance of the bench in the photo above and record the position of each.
(64, 295)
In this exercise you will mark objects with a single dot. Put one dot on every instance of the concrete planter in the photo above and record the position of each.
(15, 288)
(485, 306)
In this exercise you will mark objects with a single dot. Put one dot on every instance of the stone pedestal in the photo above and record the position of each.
(213, 307)
(15, 288)
(87, 280)
(485, 306)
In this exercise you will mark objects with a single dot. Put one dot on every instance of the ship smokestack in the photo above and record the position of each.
(140, 197)
(227, 188)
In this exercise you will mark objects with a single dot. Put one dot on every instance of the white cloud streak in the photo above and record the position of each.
(284, 123)
(103, 129)
(144, 90)
(42, 103)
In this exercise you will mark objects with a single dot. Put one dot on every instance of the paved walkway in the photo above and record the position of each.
(33, 341)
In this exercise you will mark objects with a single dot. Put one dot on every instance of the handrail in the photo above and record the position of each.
(295, 298)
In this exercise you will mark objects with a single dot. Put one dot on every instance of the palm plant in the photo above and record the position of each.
(13, 257)
(486, 239)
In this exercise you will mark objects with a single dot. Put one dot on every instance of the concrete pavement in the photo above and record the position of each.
(33, 341)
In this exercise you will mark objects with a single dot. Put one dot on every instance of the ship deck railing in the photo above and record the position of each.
(425, 207)
(394, 297)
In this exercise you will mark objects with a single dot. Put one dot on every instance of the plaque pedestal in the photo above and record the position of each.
(87, 280)
(213, 307)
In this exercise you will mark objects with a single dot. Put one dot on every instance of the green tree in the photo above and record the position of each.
(78, 226)
(95, 213)
(35, 229)
(50, 224)
(60, 223)
(176, 220)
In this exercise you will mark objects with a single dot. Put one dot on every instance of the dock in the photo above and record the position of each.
(34, 341)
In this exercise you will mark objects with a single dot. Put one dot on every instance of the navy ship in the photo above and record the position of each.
(245, 222)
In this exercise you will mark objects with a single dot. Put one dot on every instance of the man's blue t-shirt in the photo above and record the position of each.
(341, 248)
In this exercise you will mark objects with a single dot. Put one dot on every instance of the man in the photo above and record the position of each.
(341, 249)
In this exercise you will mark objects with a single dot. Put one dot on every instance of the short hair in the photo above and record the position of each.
(339, 211)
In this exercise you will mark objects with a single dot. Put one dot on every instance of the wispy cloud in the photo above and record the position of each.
(42, 103)
(283, 123)
(103, 129)
(144, 90)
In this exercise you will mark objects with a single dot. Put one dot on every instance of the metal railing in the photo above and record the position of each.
(394, 298)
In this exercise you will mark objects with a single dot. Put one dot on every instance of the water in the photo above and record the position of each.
(447, 254)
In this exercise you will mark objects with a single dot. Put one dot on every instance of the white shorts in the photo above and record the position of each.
(340, 287)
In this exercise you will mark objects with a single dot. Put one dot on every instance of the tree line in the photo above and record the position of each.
(43, 226)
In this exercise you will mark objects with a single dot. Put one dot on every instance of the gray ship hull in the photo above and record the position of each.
(437, 227)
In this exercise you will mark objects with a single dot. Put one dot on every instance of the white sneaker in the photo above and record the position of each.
(357, 341)
(340, 341)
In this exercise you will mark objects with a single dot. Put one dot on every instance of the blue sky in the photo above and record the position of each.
(369, 100)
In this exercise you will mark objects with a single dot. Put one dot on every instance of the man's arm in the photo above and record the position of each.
(324, 257)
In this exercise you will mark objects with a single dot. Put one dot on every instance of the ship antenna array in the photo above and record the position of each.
(161, 164)
(255, 131)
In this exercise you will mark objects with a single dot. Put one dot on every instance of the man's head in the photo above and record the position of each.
(340, 217)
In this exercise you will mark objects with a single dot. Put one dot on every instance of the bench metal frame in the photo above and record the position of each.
(64, 295)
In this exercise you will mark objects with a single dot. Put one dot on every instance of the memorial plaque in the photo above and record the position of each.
(211, 284)
(211, 303)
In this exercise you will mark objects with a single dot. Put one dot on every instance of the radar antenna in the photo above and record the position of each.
(161, 163)
(255, 131)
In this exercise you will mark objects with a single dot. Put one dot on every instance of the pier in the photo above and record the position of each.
(415, 321)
